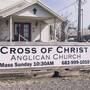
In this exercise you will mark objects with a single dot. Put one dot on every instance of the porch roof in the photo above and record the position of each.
(24, 4)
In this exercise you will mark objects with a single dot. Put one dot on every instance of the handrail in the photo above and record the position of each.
(20, 36)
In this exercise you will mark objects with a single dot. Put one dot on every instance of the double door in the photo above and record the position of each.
(22, 31)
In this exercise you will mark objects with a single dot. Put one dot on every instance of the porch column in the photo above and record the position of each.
(40, 30)
(11, 27)
(54, 29)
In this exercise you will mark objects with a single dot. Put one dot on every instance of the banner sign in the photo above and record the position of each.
(43, 56)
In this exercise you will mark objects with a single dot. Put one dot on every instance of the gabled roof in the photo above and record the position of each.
(24, 4)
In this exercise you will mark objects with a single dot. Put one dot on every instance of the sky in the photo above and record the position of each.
(71, 13)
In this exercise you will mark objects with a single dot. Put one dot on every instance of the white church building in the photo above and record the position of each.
(27, 21)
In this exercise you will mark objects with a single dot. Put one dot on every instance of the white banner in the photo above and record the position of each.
(43, 56)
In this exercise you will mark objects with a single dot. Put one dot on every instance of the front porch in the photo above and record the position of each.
(28, 29)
